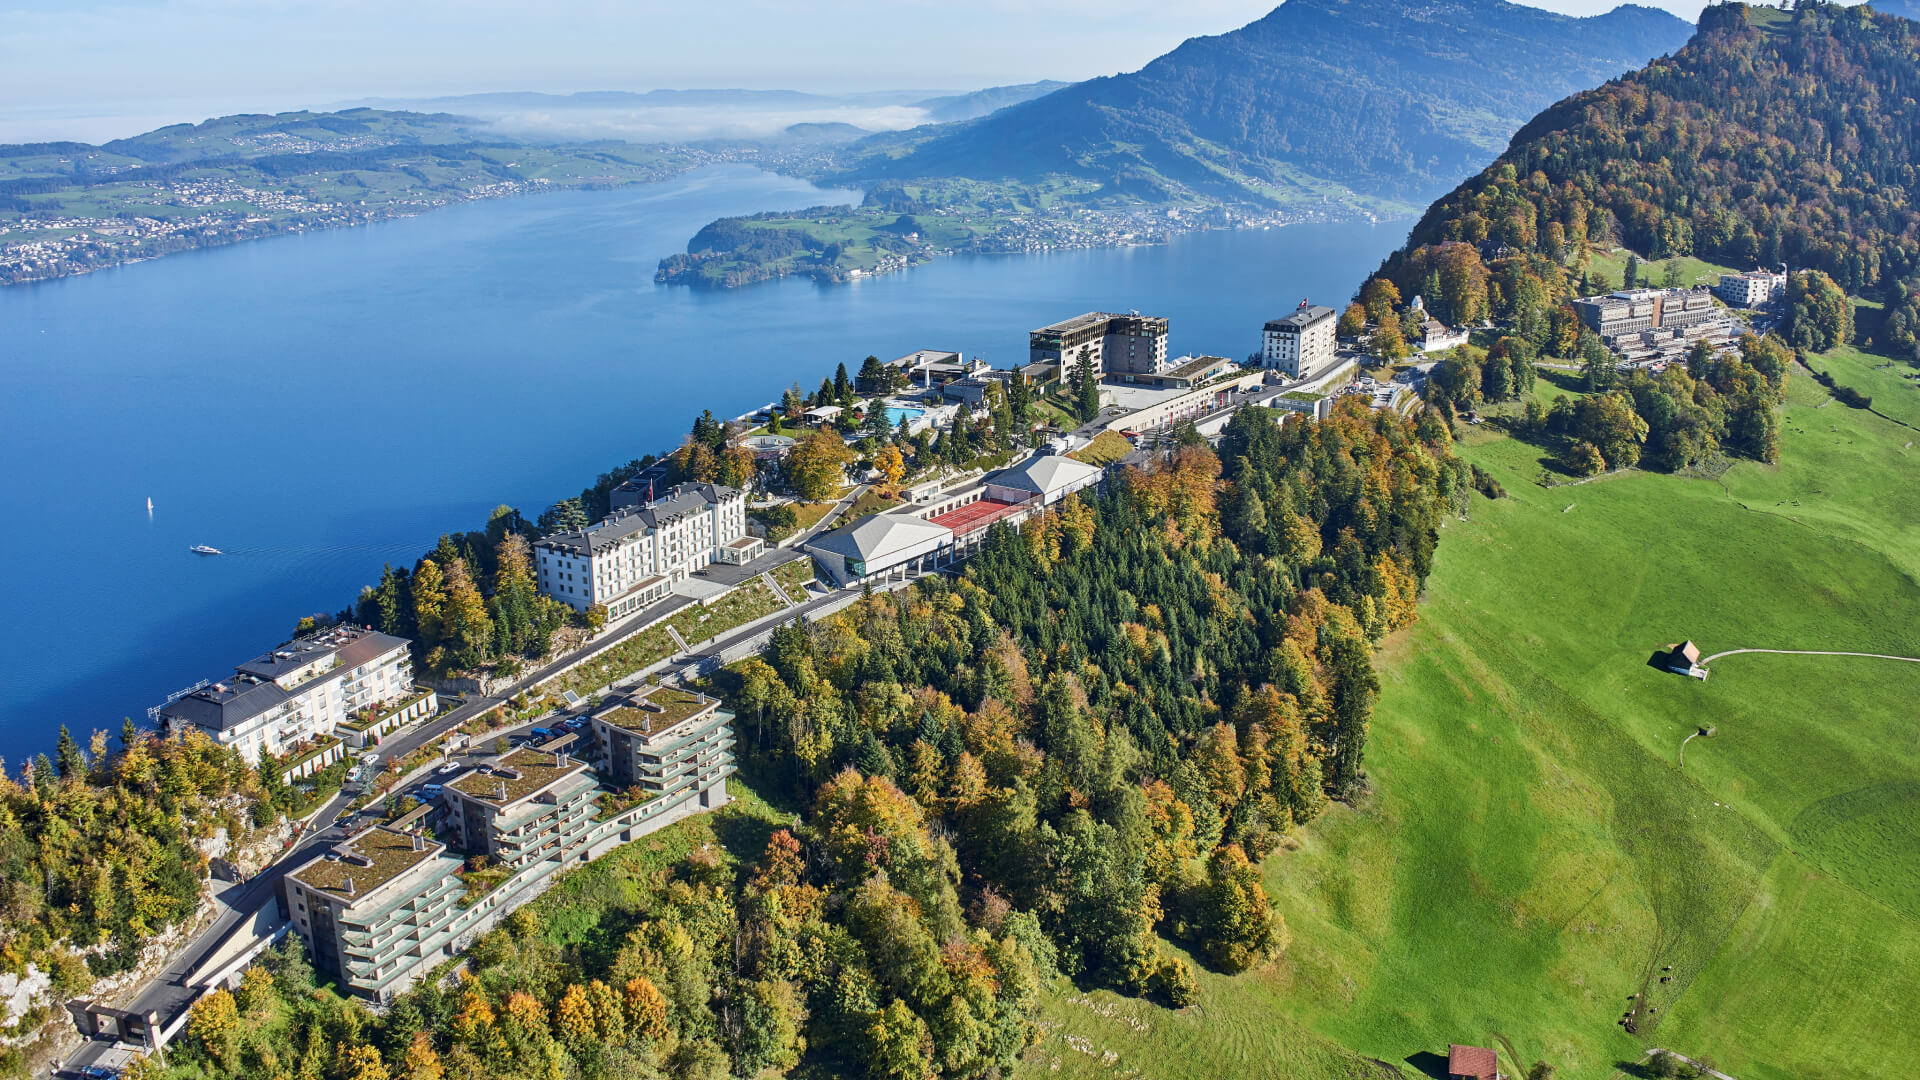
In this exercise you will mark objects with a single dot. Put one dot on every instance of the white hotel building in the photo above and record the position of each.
(300, 692)
(633, 558)
(1300, 344)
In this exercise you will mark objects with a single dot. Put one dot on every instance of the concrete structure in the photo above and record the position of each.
(667, 743)
(1630, 311)
(1752, 289)
(1650, 327)
(930, 368)
(390, 903)
(1183, 373)
(1300, 344)
(632, 559)
(1150, 409)
(295, 696)
(1116, 344)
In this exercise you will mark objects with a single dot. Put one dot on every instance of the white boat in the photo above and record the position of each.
(149, 504)
(202, 549)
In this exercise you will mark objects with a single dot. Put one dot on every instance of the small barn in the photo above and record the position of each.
(1472, 1063)
(1685, 660)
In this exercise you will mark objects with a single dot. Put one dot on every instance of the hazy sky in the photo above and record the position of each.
(97, 69)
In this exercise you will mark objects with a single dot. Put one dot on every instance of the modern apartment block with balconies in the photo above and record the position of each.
(388, 904)
(297, 694)
(674, 745)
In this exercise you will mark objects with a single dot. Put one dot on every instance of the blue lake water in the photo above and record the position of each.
(318, 405)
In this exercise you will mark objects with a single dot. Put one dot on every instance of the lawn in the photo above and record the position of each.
(1653, 272)
(1105, 449)
(1532, 854)
(615, 889)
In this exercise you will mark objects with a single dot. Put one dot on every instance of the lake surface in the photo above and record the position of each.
(319, 405)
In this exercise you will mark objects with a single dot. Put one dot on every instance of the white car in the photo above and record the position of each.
(369, 759)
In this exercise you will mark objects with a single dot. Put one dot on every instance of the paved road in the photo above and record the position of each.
(167, 994)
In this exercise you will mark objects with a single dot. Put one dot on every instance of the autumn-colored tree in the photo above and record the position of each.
(422, 1062)
(901, 1045)
(429, 601)
(212, 1022)
(1236, 919)
(817, 464)
(1388, 344)
(893, 468)
(1381, 298)
(573, 1016)
(363, 1063)
(1353, 321)
(646, 1008)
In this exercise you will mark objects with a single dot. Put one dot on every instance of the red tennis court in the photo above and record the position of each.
(974, 515)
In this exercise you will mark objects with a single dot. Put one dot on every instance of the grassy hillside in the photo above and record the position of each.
(1533, 853)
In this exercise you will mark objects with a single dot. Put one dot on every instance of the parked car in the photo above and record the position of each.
(542, 733)
(449, 767)
(428, 792)
(97, 1072)
(369, 759)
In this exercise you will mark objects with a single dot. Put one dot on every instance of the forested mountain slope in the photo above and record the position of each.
(1771, 137)
(1385, 97)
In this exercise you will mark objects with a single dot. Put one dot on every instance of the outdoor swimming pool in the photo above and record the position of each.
(897, 413)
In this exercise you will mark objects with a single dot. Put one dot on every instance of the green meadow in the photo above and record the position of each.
(1533, 853)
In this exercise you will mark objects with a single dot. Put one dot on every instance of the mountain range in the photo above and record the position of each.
(1392, 99)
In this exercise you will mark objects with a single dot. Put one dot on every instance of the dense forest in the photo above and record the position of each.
(101, 850)
(1772, 137)
(1069, 755)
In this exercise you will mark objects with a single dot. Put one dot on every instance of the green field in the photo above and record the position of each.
(1532, 854)
(1653, 272)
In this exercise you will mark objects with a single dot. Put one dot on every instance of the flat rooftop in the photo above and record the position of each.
(365, 862)
(653, 713)
(975, 515)
(516, 776)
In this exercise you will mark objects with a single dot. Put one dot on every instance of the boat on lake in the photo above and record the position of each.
(202, 549)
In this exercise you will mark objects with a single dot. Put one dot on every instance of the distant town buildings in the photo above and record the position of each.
(1116, 344)
(298, 694)
(1300, 344)
(1752, 289)
(633, 558)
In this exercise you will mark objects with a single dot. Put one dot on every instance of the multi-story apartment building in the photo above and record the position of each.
(1632, 311)
(1116, 344)
(389, 903)
(1752, 289)
(673, 744)
(298, 692)
(1301, 344)
(632, 558)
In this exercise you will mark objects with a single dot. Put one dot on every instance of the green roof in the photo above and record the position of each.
(654, 712)
(388, 853)
(524, 772)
